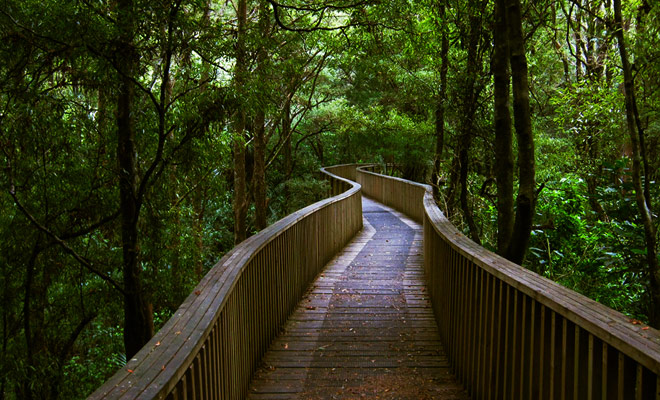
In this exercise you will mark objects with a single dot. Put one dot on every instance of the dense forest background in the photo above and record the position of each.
(142, 139)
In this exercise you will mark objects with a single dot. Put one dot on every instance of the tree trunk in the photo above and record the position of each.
(286, 133)
(259, 179)
(578, 44)
(138, 320)
(503, 133)
(526, 200)
(240, 184)
(454, 171)
(643, 202)
(592, 186)
(470, 96)
(5, 327)
(642, 11)
(440, 104)
(199, 208)
(31, 366)
(465, 204)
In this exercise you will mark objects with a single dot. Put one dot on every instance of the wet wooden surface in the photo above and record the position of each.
(365, 329)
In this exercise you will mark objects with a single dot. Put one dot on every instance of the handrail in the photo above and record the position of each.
(512, 334)
(215, 340)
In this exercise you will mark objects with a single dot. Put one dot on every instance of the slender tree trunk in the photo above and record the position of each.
(259, 179)
(5, 328)
(286, 133)
(199, 208)
(642, 11)
(31, 366)
(287, 151)
(454, 172)
(240, 176)
(464, 197)
(578, 44)
(199, 197)
(503, 133)
(558, 48)
(138, 320)
(526, 200)
(596, 207)
(470, 96)
(440, 104)
(643, 202)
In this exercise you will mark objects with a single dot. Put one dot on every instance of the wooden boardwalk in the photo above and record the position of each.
(365, 329)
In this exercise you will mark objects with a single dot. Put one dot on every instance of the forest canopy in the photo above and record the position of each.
(141, 139)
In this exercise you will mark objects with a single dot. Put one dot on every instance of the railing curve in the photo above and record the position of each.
(214, 342)
(512, 334)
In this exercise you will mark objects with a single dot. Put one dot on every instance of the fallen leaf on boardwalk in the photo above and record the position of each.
(310, 308)
(162, 368)
(130, 371)
(157, 344)
(635, 321)
(645, 328)
(197, 292)
(177, 332)
(286, 346)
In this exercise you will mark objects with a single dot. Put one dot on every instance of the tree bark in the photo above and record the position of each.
(470, 96)
(138, 320)
(642, 11)
(503, 133)
(643, 203)
(453, 183)
(526, 200)
(240, 184)
(286, 133)
(259, 180)
(579, 43)
(440, 104)
(31, 366)
(199, 208)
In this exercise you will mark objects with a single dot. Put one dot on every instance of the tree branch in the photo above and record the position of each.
(320, 9)
(82, 260)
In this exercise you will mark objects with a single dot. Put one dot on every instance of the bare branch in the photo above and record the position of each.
(318, 9)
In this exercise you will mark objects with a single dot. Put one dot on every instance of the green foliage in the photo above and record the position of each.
(379, 134)
(298, 193)
(600, 259)
(591, 117)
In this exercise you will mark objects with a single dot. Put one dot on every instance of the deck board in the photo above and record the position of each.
(365, 329)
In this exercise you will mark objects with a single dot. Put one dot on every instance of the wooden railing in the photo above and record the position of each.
(214, 342)
(512, 334)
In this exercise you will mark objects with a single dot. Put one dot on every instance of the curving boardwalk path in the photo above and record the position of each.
(365, 328)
